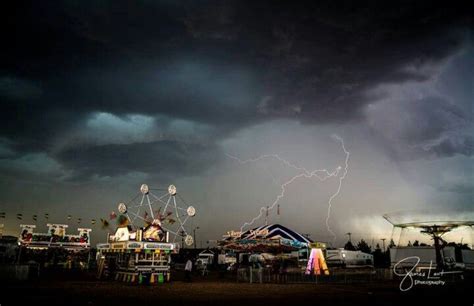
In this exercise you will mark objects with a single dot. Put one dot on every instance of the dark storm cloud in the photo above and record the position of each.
(318, 60)
(425, 127)
(226, 64)
(161, 159)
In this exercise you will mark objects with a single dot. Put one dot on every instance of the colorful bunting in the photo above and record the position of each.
(112, 215)
(122, 220)
(104, 223)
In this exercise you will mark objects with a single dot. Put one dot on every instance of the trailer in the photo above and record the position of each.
(349, 259)
(423, 257)
(468, 259)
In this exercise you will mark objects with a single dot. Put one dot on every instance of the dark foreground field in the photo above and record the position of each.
(91, 292)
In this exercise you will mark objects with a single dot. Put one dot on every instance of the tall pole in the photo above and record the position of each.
(182, 233)
(194, 232)
(383, 244)
(349, 234)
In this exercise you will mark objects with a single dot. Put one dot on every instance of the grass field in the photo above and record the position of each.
(199, 292)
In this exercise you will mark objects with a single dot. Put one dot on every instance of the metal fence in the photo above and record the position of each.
(265, 275)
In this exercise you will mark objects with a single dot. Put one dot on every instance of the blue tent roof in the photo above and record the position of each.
(273, 231)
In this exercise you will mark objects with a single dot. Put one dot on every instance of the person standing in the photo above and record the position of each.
(188, 270)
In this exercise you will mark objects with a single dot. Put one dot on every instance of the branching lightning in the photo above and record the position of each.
(321, 174)
(341, 178)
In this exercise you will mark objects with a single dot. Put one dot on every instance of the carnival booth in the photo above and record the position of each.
(55, 237)
(55, 248)
(142, 254)
(136, 256)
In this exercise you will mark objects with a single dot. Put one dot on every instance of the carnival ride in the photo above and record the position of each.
(274, 244)
(433, 227)
(141, 247)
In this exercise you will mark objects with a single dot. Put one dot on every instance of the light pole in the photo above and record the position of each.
(350, 236)
(182, 234)
(194, 233)
(383, 244)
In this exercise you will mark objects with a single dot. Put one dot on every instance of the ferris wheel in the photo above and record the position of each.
(165, 210)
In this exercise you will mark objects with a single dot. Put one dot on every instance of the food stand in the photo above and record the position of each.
(136, 261)
(55, 248)
(55, 237)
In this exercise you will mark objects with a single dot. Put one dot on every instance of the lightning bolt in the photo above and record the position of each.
(321, 174)
(341, 178)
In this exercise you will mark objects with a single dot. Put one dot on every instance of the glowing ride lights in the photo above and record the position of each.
(321, 174)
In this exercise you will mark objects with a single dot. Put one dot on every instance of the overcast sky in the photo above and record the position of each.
(99, 97)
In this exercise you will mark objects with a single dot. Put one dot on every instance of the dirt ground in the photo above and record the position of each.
(199, 292)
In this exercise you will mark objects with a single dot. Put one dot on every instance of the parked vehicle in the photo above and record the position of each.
(349, 259)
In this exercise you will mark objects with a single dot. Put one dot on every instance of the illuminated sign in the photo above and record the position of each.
(56, 237)
(102, 246)
(317, 245)
(259, 233)
(160, 246)
(118, 246)
(233, 234)
(134, 245)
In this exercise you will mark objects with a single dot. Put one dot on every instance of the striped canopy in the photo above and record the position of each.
(275, 231)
